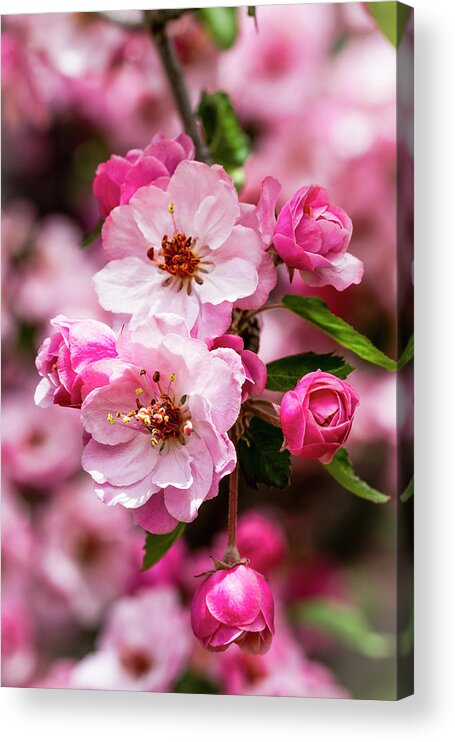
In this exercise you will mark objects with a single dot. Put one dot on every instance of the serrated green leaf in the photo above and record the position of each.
(221, 23)
(345, 623)
(227, 142)
(407, 355)
(409, 491)
(260, 458)
(284, 373)
(92, 235)
(340, 468)
(315, 310)
(156, 545)
(391, 18)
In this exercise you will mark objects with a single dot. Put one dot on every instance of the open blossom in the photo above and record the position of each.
(79, 545)
(118, 179)
(234, 606)
(65, 358)
(316, 416)
(255, 369)
(159, 442)
(312, 235)
(144, 645)
(181, 251)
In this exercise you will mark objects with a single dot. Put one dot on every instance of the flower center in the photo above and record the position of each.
(176, 256)
(136, 662)
(163, 417)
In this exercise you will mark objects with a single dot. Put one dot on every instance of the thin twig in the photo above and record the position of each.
(231, 555)
(156, 21)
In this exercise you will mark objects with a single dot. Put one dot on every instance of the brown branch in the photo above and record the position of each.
(156, 21)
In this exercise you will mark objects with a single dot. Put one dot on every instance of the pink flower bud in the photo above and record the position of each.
(312, 235)
(234, 606)
(316, 416)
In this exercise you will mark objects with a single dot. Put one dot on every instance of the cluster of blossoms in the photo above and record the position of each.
(159, 396)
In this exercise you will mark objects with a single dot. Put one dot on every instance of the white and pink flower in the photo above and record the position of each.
(182, 250)
(144, 646)
(158, 431)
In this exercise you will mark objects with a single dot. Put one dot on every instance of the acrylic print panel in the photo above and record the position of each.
(207, 327)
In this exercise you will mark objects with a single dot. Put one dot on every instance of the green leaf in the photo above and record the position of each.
(192, 683)
(345, 623)
(260, 458)
(315, 311)
(284, 373)
(407, 355)
(340, 468)
(228, 143)
(221, 23)
(92, 235)
(156, 545)
(409, 491)
(391, 18)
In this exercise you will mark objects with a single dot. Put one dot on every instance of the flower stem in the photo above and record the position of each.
(156, 21)
(231, 555)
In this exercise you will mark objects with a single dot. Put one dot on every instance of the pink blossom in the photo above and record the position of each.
(65, 361)
(313, 235)
(260, 539)
(254, 368)
(159, 442)
(316, 416)
(118, 179)
(181, 251)
(32, 442)
(86, 554)
(234, 606)
(261, 218)
(144, 646)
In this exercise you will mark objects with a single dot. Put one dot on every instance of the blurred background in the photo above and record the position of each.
(314, 87)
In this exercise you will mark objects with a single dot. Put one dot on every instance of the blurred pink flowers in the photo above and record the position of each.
(312, 235)
(80, 543)
(234, 606)
(144, 645)
(158, 431)
(118, 179)
(316, 416)
(282, 671)
(260, 539)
